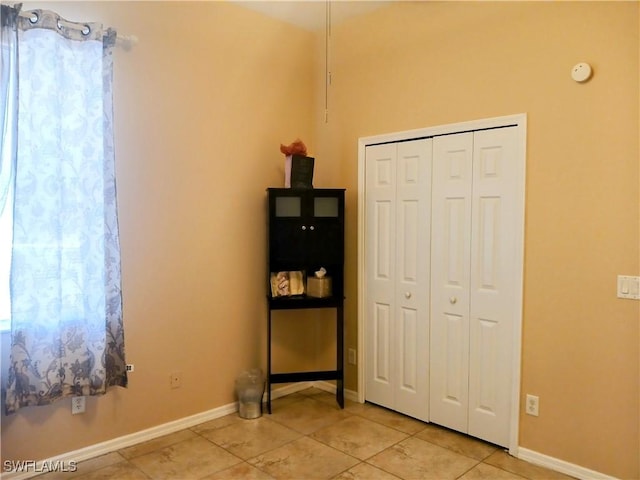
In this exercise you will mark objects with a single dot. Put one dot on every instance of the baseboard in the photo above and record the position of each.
(119, 443)
(331, 388)
(525, 454)
(125, 441)
(187, 422)
(288, 389)
(561, 466)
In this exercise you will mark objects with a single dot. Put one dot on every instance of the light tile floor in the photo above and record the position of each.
(308, 436)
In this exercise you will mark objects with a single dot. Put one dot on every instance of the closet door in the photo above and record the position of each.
(413, 219)
(397, 251)
(450, 263)
(474, 298)
(381, 164)
(494, 300)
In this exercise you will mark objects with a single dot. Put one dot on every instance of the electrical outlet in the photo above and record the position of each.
(533, 403)
(77, 405)
(352, 356)
(175, 379)
(130, 367)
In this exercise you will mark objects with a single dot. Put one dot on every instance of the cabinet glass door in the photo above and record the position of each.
(326, 207)
(288, 206)
(287, 236)
(325, 243)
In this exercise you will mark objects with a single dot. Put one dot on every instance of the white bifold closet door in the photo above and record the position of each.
(473, 293)
(398, 184)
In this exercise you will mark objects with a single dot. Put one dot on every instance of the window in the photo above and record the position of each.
(65, 303)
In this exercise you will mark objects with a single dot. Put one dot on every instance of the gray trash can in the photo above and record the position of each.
(250, 388)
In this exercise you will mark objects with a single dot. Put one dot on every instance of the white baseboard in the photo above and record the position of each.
(561, 466)
(119, 443)
(525, 454)
(331, 388)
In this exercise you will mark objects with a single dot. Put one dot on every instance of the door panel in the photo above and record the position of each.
(455, 352)
(408, 255)
(456, 236)
(486, 391)
(408, 369)
(450, 261)
(494, 305)
(380, 277)
(382, 251)
(488, 254)
(397, 250)
(382, 345)
(412, 280)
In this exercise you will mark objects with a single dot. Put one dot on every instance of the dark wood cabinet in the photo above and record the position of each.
(305, 234)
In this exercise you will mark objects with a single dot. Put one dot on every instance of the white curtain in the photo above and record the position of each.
(66, 308)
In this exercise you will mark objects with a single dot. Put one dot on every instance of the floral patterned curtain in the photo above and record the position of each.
(66, 307)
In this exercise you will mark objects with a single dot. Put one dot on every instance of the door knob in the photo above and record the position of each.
(453, 300)
(407, 294)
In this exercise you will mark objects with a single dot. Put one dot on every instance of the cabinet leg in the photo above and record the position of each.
(269, 360)
(340, 355)
(268, 397)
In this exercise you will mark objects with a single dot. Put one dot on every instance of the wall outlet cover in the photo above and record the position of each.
(78, 405)
(532, 405)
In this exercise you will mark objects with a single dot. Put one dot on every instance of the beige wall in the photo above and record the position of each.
(211, 90)
(202, 104)
(423, 64)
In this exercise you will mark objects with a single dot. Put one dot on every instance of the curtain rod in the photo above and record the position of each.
(125, 41)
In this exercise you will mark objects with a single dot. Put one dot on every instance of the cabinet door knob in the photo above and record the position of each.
(407, 294)
(304, 227)
(453, 300)
(312, 227)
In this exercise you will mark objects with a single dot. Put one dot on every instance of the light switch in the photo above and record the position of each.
(624, 285)
(628, 287)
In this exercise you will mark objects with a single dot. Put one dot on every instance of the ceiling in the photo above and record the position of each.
(311, 14)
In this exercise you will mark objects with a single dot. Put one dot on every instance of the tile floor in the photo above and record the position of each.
(309, 437)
